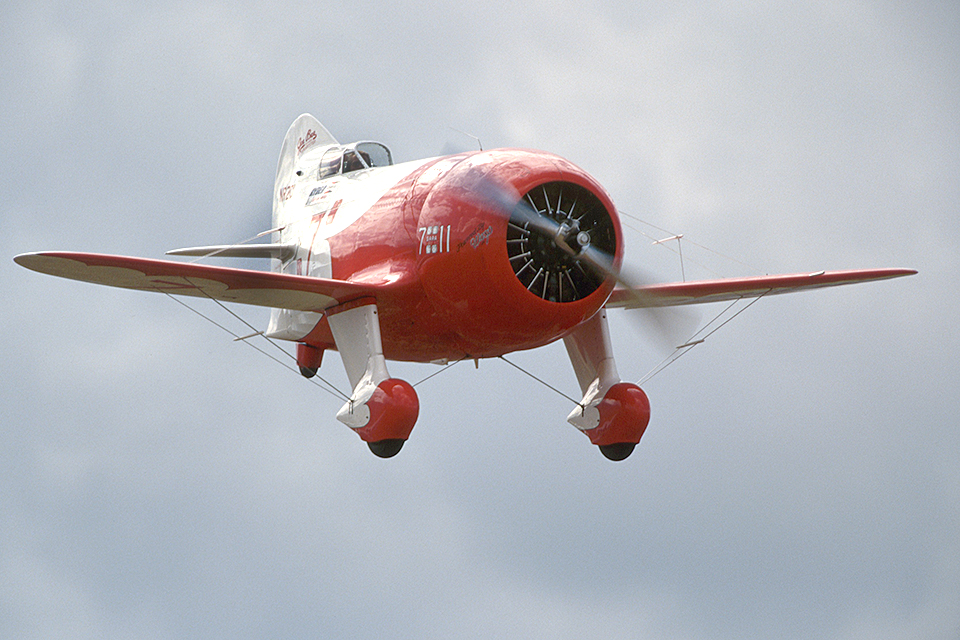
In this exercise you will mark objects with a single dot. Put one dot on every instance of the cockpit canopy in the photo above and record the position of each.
(352, 157)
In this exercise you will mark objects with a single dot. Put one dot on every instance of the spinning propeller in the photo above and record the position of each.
(561, 243)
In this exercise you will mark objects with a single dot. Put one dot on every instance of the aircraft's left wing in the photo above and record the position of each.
(680, 293)
(245, 286)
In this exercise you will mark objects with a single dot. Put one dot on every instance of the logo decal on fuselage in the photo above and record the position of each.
(316, 195)
(478, 236)
(306, 141)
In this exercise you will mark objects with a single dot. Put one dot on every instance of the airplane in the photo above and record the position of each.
(466, 256)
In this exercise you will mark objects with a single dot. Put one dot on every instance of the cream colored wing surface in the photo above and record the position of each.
(244, 286)
(703, 291)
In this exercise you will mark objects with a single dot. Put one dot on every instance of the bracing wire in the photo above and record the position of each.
(548, 386)
(316, 380)
(442, 370)
(685, 348)
(687, 240)
(694, 340)
(328, 387)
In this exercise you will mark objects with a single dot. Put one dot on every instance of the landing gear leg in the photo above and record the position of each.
(381, 410)
(613, 414)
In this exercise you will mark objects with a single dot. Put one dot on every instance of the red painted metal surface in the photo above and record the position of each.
(394, 408)
(443, 246)
(309, 357)
(624, 415)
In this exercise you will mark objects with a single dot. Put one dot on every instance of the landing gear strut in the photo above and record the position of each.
(381, 410)
(613, 414)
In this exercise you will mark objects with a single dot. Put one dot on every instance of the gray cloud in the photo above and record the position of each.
(799, 477)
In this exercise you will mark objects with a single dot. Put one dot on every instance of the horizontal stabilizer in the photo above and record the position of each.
(244, 286)
(281, 251)
(679, 293)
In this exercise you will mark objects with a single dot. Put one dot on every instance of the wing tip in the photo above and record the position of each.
(879, 274)
(31, 260)
(695, 292)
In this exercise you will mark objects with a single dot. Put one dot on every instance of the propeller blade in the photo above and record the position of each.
(562, 230)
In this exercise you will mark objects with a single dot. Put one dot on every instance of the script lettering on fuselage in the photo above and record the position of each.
(480, 235)
(306, 141)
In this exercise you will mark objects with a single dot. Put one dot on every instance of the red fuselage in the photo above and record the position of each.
(443, 245)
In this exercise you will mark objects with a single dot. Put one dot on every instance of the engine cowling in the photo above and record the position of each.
(498, 281)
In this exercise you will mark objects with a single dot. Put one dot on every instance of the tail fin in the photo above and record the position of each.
(304, 143)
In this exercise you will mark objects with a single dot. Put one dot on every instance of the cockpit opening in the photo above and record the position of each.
(353, 157)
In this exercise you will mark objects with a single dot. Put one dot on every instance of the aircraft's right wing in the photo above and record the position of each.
(245, 286)
(680, 293)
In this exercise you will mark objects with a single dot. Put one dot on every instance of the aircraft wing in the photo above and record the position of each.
(245, 286)
(679, 293)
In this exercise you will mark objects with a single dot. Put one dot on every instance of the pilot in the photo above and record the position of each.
(352, 162)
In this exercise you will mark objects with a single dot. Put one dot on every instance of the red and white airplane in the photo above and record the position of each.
(473, 255)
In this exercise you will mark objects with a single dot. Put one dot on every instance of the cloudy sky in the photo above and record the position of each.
(800, 476)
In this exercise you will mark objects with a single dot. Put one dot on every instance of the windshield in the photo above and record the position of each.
(330, 162)
(375, 154)
(361, 155)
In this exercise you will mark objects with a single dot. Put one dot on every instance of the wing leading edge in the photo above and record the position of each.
(703, 291)
(244, 286)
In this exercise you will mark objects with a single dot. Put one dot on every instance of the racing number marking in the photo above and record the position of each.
(328, 216)
(434, 239)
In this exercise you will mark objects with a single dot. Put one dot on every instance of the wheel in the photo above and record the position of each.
(308, 372)
(386, 448)
(617, 452)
